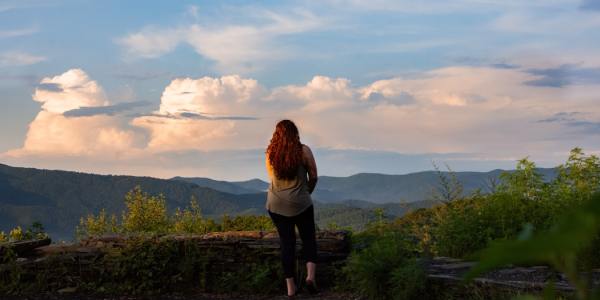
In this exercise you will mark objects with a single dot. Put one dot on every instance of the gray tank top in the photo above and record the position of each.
(289, 197)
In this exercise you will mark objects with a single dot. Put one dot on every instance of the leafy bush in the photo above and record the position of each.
(522, 197)
(148, 214)
(370, 271)
(408, 280)
(190, 220)
(522, 203)
(559, 247)
(35, 231)
(145, 213)
(97, 225)
(246, 223)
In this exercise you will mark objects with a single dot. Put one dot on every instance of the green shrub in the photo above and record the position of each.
(523, 197)
(145, 213)
(148, 214)
(369, 271)
(93, 225)
(190, 220)
(246, 222)
(408, 280)
(35, 231)
(559, 247)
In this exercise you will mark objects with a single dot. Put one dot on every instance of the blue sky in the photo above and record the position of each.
(169, 88)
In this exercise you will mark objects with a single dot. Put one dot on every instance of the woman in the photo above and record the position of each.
(293, 173)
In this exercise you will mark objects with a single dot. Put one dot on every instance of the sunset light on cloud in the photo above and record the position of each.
(374, 86)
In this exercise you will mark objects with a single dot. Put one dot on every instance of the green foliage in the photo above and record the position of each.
(190, 220)
(10, 277)
(147, 266)
(464, 226)
(147, 214)
(523, 204)
(559, 247)
(97, 225)
(372, 271)
(35, 231)
(449, 187)
(408, 280)
(247, 222)
(525, 182)
(579, 177)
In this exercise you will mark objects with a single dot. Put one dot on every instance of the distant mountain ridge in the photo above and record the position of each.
(58, 199)
(235, 187)
(374, 187)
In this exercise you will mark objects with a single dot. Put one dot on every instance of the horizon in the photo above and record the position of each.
(194, 88)
(266, 180)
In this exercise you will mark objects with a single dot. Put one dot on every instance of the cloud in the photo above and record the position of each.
(152, 42)
(564, 75)
(53, 134)
(504, 66)
(576, 120)
(484, 112)
(235, 48)
(9, 59)
(109, 110)
(201, 113)
(590, 5)
(205, 117)
(442, 7)
(562, 116)
(228, 94)
(51, 87)
(559, 21)
(141, 76)
(70, 90)
(17, 32)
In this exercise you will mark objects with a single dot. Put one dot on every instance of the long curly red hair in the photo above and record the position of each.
(285, 150)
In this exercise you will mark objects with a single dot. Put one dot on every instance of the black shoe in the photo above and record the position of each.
(292, 297)
(311, 287)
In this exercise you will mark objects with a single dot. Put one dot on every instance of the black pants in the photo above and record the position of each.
(287, 237)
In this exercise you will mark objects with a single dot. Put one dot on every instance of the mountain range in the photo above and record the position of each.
(58, 199)
(372, 187)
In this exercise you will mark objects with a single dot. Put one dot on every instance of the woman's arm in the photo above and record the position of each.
(270, 171)
(311, 167)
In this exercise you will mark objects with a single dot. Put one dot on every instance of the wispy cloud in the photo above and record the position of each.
(109, 110)
(577, 120)
(8, 5)
(590, 5)
(19, 59)
(206, 117)
(234, 47)
(141, 76)
(563, 116)
(10, 33)
(564, 75)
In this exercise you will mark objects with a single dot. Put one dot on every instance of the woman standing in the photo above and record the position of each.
(293, 173)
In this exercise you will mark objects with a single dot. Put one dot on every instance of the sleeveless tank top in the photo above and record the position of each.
(289, 197)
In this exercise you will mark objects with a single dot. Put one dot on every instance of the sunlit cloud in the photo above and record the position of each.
(52, 133)
(487, 113)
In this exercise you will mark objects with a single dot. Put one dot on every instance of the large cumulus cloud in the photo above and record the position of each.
(485, 113)
(53, 133)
